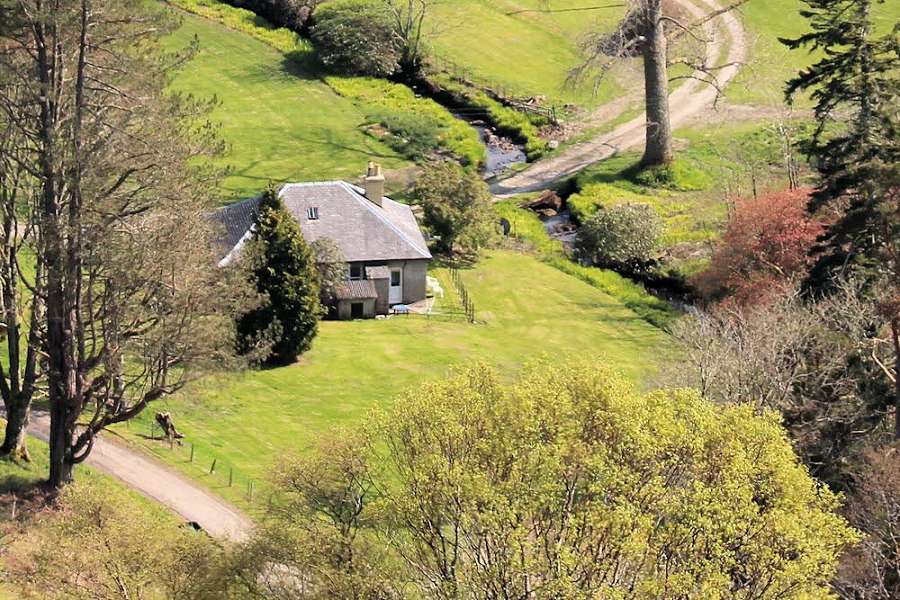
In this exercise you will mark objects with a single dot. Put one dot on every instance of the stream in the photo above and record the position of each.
(501, 152)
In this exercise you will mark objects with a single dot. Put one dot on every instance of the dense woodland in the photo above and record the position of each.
(759, 460)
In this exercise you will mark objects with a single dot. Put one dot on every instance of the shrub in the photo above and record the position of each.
(331, 267)
(457, 205)
(767, 241)
(623, 236)
(355, 37)
(390, 103)
(291, 14)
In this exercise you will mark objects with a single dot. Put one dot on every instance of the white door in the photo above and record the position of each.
(396, 290)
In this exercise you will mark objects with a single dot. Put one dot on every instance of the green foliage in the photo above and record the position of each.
(569, 475)
(355, 37)
(521, 127)
(290, 14)
(625, 235)
(457, 207)
(385, 102)
(856, 90)
(526, 226)
(331, 266)
(282, 269)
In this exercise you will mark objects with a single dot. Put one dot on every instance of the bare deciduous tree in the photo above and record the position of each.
(134, 306)
(822, 365)
(647, 31)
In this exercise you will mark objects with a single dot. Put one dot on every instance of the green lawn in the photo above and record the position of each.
(279, 123)
(509, 44)
(762, 80)
(524, 306)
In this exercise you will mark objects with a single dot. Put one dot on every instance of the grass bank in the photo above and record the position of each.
(284, 120)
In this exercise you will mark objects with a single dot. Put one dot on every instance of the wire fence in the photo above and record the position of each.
(214, 471)
(468, 304)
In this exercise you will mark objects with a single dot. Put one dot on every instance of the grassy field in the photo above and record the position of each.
(524, 308)
(280, 124)
(513, 45)
(771, 63)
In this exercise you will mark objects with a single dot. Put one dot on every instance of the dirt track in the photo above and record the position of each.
(690, 99)
(159, 482)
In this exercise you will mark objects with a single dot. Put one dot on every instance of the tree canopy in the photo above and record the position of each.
(567, 483)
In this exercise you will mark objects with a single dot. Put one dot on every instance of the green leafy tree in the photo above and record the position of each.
(855, 87)
(282, 269)
(622, 236)
(356, 37)
(568, 483)
(457, 206)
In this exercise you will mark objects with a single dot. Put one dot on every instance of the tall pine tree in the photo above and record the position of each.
(855, 88)
(283, 271)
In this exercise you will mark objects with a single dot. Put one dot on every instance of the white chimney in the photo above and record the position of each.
(374, 183)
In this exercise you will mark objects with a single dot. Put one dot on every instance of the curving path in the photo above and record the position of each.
(159, 482)
(688, 100)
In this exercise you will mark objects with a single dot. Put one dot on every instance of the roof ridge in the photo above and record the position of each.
(368, 204)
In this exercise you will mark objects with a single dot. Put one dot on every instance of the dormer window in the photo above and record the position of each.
(312, 213)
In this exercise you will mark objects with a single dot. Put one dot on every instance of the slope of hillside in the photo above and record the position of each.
(279, 123)
(517, 46)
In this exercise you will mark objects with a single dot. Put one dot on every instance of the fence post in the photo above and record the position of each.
(192, 451)
(212, 468)
(230, 476)
(250, 492)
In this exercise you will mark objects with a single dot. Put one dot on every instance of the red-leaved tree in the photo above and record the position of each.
(765, 245)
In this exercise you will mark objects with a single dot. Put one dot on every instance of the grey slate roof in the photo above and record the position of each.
(356, 289)
(361, 229)
(377, 273)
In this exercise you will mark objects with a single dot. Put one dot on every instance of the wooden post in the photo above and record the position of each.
(230, 476)
(15, 500)
(212, 468)
(192, 451)
(250, 491)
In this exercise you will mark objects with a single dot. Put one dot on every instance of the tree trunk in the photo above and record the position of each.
(658, 149)
(895, 335)
(14, 442)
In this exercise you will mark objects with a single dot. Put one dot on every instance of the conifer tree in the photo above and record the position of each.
(855, 87)
(283, 271)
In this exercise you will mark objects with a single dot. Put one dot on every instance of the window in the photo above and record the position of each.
(356, 271)
(312, 213)
(395, 278)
